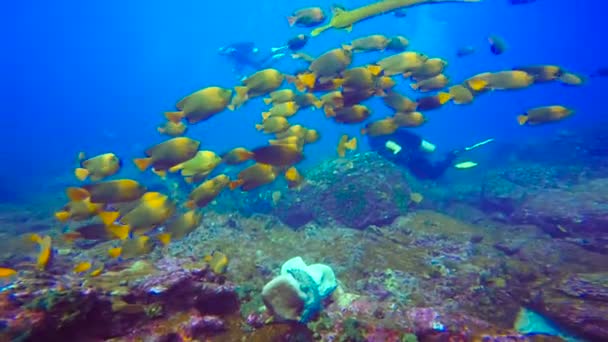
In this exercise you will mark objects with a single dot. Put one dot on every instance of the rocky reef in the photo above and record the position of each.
(357, 192)
(525, 231)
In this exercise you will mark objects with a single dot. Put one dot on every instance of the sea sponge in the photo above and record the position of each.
(297, 294)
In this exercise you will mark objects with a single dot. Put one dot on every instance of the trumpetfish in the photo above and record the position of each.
(344, 19)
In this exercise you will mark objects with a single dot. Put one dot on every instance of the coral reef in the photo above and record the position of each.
(358, 192)
(526, 230)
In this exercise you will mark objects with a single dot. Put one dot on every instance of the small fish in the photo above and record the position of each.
(460, 94)
(434, 83)
(260, 83)
(543, 115)
(201, 105)
(207, 191)
(218, 262)
(115, 252)
(199, 167)
(46, 251)
(172, 129)
(433, 102)
(164, 238)
(497, 45)
(277, 155)
(570, 79)
(96, 272)
(384, 126)
(307, 17)
(168, 154)
(114, 191)
(297, 43)
(82, 267)
(376, 42)
(254, 176)
(345, 144)
(398, 44)
(293, 177)
(416, 197)
(402, 63)
(542, 73)
(183, 225)
(432, 67)
(280, 96)
(349, 115)
(312, 135)
(98, 167)
(399, 102)
(409, 119)
(153, 210)
(7, 272)
(236, 156)
(284, 109)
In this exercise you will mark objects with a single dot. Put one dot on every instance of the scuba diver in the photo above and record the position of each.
(409, 150)
(246, 55)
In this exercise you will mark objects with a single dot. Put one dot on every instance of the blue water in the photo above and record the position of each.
(97, 76)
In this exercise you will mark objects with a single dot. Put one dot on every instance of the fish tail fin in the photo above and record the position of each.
(241, 92)
(142, 163)
(115, 252)
(522, 119)
(160, 173)
(320, 30)
(81, 173)
(267, 100)
(375, 69)
(259, 127)
(478, 84)
(308, 80)
(161, 130)
(175, 117)
(265, 115)
(351, 144)
(291, 20)
(120, 232)
(235, 184)
(444, 97)
(329, 111)
(414, 86)
(108, 217)
(164, 238)
(62, 216)
(318, 104)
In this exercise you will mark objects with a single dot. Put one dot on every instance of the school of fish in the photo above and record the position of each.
(137, 220)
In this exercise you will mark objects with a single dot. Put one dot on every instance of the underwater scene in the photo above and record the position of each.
(310, 170)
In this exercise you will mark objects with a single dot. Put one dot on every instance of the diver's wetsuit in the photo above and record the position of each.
(245, 54)
(412, 154)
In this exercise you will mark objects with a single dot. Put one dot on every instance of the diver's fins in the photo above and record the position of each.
(479, 144)
(281, 49)
(465, 165)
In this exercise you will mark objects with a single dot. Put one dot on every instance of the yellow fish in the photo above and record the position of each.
(7, 272)
(82, 267)
(344, 19)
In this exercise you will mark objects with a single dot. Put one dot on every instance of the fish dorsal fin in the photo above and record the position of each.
(337, 9)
